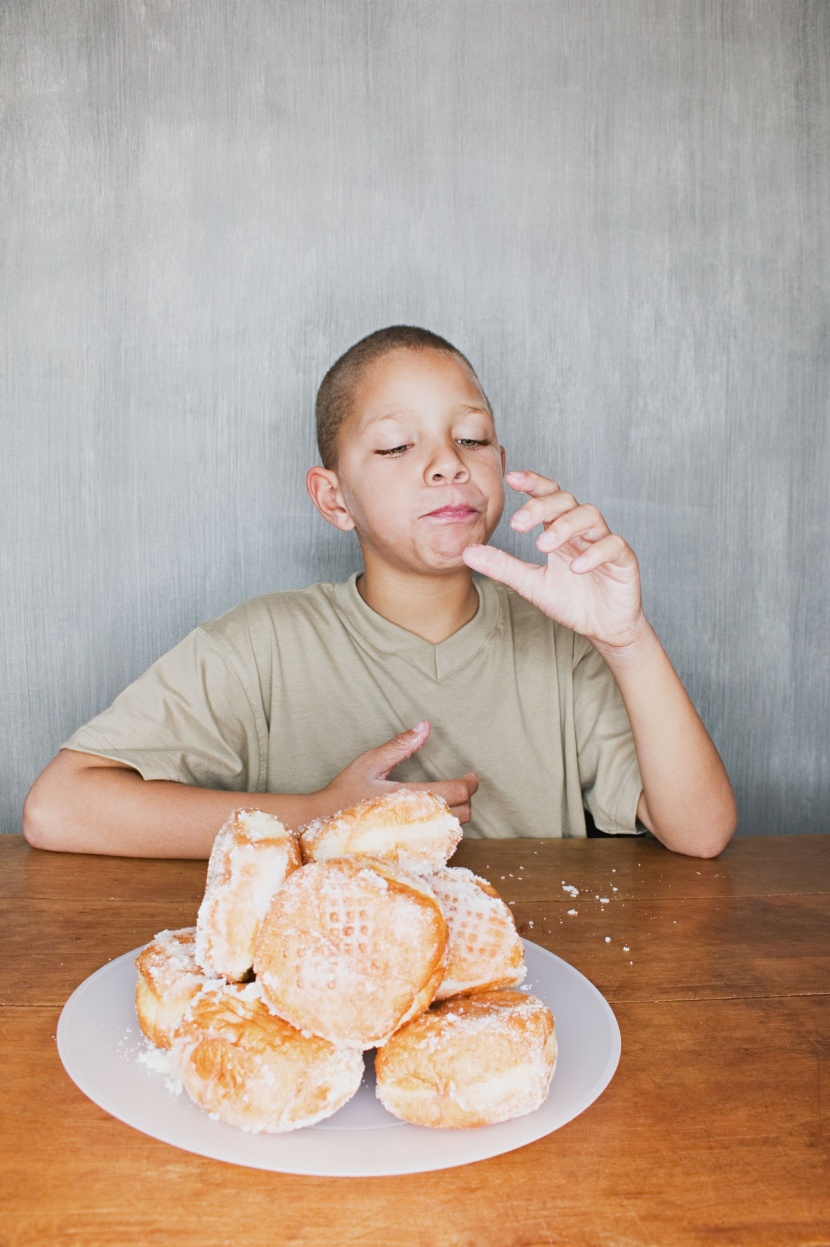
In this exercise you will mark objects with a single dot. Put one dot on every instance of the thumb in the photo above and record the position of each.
(499, 565)
(387, 756)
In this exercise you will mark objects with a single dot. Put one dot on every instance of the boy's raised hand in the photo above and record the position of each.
(367, 776)
(591, 584)
(591, 580)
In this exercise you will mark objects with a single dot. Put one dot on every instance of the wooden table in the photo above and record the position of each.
(713, 1130)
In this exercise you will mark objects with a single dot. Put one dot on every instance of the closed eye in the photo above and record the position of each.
(392, 451)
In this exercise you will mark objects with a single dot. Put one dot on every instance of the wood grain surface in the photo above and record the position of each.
(712, 1131)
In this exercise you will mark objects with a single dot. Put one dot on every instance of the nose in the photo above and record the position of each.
(445, 465)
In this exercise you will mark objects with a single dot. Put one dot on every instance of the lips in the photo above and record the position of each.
(459, 512)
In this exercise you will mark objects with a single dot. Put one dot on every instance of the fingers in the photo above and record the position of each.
(581, 528)
(457, 793)
(610, 549)
(531, 483)
(381, 760)
(581, 521)
(546, 501)
(499, 565)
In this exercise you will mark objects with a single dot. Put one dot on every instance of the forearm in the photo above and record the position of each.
(687, 798)
(84, 804)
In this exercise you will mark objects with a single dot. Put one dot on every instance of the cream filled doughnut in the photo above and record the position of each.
(251, 857)
(255, 1071)
(350, 948)
(483, 948)
(471, 1061)
(414, 829)
(168, 979)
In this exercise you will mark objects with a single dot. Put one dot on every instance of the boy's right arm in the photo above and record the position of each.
(83, 803)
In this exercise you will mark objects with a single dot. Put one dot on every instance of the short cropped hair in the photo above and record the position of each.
(334, 397)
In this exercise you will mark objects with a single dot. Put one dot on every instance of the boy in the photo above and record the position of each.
(546, 698)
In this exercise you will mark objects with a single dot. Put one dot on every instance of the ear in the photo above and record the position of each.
(325, 492)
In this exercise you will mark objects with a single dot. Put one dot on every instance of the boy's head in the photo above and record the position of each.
(412, 462)
(335, 397)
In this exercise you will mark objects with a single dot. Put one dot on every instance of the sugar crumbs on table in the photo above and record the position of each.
(608, 939)
(626, 949)
(570, 889)
(573, 912)
(603, 900)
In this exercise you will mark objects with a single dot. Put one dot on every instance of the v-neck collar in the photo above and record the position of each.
(435, 661)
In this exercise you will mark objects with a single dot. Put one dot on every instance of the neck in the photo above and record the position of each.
(431, 607)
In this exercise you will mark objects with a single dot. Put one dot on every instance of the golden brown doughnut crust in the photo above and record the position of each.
(470, 1061)
(350, 948)
(484, 950)
(251, 857)
(416, 830)
(168, 979)
(250, 1068)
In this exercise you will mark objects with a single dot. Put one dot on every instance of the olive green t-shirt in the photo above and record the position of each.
(284, 691)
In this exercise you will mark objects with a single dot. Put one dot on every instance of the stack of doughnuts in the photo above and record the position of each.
(350, 949)
(252, 1069)
(311, 947)
(252, 856)
(414, 830)
(168, 980)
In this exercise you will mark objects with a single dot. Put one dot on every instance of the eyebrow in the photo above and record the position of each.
(403, 412)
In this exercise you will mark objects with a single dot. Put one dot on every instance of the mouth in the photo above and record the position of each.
(459, 512)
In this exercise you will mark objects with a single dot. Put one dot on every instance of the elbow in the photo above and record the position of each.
(711, 846)
(697, 832)
(32, 826)
(37, 822)
(704, 835)
(726, 824)
(44, 818)
(713, 839)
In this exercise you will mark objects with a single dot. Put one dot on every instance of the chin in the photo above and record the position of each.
(450, 560)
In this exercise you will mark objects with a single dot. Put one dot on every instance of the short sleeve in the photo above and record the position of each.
(192, 717)
(608, 770)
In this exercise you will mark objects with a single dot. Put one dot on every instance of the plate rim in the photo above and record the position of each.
(480, 1144)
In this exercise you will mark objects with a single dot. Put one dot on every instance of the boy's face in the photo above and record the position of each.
(419, 467)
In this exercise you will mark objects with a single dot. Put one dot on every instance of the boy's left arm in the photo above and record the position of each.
(591, 584)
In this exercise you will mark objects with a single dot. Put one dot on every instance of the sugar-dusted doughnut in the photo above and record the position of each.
(168, 979)
(414, 829)
(483, 949)
(251, 857)
(470, 1061)
(251, 1069)
(350, 948)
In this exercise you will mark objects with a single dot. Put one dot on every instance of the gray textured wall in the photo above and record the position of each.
(617, 208)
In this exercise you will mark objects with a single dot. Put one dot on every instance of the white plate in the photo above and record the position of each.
(99, 1042)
